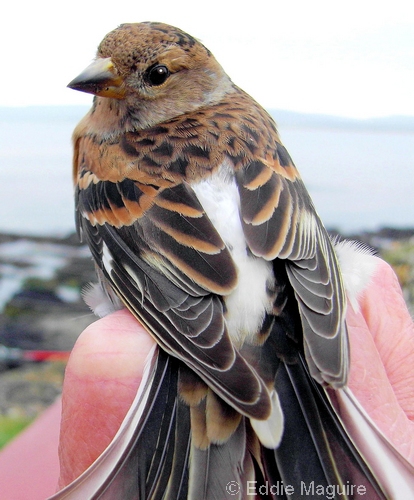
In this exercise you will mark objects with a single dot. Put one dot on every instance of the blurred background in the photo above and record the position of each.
(337, 77)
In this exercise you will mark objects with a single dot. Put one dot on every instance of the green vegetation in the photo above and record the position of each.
(400, 254)
(11, 426)
(25, 392)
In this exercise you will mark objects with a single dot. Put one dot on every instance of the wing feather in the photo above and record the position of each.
(182, 313)
(279, 222)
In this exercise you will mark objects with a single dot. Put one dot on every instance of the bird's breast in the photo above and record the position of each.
(248, 303)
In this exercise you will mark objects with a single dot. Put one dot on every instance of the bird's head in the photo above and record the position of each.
(155, 72)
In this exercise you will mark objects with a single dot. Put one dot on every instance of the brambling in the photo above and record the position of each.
(199, 223)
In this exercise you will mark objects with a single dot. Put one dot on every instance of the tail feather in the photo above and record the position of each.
(160, 462)
(146, 463)
(219, 469)
(177, 485)
(315, 450)
(304, 454)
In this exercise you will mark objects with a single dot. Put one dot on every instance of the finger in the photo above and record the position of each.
(392, 328)
(382, 358)
(101, 380)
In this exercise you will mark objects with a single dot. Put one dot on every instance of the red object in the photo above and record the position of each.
(29, 466)
(45, 355)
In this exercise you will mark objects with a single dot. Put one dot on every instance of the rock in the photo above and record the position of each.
(47, 311)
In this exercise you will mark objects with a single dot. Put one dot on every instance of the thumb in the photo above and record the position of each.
(101, 380)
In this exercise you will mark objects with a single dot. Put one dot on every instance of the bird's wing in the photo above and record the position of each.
(280, 222)
(168, 267)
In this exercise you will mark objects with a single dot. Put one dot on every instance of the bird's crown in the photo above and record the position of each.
(131, 46)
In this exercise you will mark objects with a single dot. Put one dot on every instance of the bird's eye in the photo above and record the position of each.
(157, 75)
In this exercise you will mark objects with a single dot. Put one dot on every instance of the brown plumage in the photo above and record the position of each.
(199, 222)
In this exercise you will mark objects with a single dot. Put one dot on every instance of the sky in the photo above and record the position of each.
(353, 58)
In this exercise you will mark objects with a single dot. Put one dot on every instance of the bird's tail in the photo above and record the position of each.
(153, 457)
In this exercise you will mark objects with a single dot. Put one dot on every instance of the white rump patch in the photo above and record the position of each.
(247, 304)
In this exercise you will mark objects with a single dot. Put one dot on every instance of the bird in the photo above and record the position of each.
(200, 225)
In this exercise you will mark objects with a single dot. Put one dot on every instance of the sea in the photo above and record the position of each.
(360, 173)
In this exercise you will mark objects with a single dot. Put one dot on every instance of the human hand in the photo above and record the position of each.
(106, 366)
(382, 358)
(102, 376)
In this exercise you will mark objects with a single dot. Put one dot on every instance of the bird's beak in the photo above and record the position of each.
(100, 78)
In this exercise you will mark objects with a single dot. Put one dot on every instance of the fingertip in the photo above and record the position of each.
(112, 347)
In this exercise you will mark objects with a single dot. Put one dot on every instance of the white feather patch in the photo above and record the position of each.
(99, 301)
(270, 431)
(358, 264)
(247, 304)
(107, 258)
